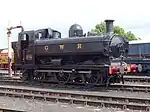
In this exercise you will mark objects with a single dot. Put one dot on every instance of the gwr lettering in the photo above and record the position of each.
(79, 46)
(61, 46)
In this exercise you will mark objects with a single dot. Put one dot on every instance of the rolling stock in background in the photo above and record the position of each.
(4, 58)
(139, 55)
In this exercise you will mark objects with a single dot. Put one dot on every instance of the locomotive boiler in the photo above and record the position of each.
(43, 55)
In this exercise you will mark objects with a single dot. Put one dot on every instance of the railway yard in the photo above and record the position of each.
(74, 56)
(84, 72)
(133, 95)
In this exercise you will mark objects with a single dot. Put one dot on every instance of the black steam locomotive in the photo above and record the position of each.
(43, 55)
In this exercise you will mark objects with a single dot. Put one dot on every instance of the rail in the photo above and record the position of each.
(2, 109)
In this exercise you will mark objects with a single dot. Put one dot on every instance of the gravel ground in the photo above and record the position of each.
(41, 106)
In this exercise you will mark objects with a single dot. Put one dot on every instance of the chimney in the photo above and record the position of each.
(109, 26)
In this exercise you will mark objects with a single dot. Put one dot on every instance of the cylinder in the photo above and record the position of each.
(109, 26)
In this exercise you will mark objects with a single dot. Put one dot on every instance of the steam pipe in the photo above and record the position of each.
(9, 48)
(11, 28)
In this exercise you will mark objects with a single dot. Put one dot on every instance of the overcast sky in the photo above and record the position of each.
(132, 15)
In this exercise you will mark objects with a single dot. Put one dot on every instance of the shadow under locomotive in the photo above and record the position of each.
(43, 55)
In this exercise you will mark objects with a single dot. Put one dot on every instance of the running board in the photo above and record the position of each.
(64, 71)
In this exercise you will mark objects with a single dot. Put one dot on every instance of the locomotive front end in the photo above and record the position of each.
(118, 50)
(118, 46)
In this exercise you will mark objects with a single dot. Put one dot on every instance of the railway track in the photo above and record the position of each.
(143, 79)
(69, 94)
(2, 109)
(119, 87)
(102, 99)
(5, 72)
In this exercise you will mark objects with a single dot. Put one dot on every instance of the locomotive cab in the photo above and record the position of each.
(22, 48)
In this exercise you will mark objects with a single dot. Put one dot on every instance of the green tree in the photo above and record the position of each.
(101, 28)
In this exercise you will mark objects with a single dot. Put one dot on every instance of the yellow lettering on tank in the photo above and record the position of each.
(61, 46)
(79, 46)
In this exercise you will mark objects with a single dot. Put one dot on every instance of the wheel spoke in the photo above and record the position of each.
(92, 80)
(62, 78)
